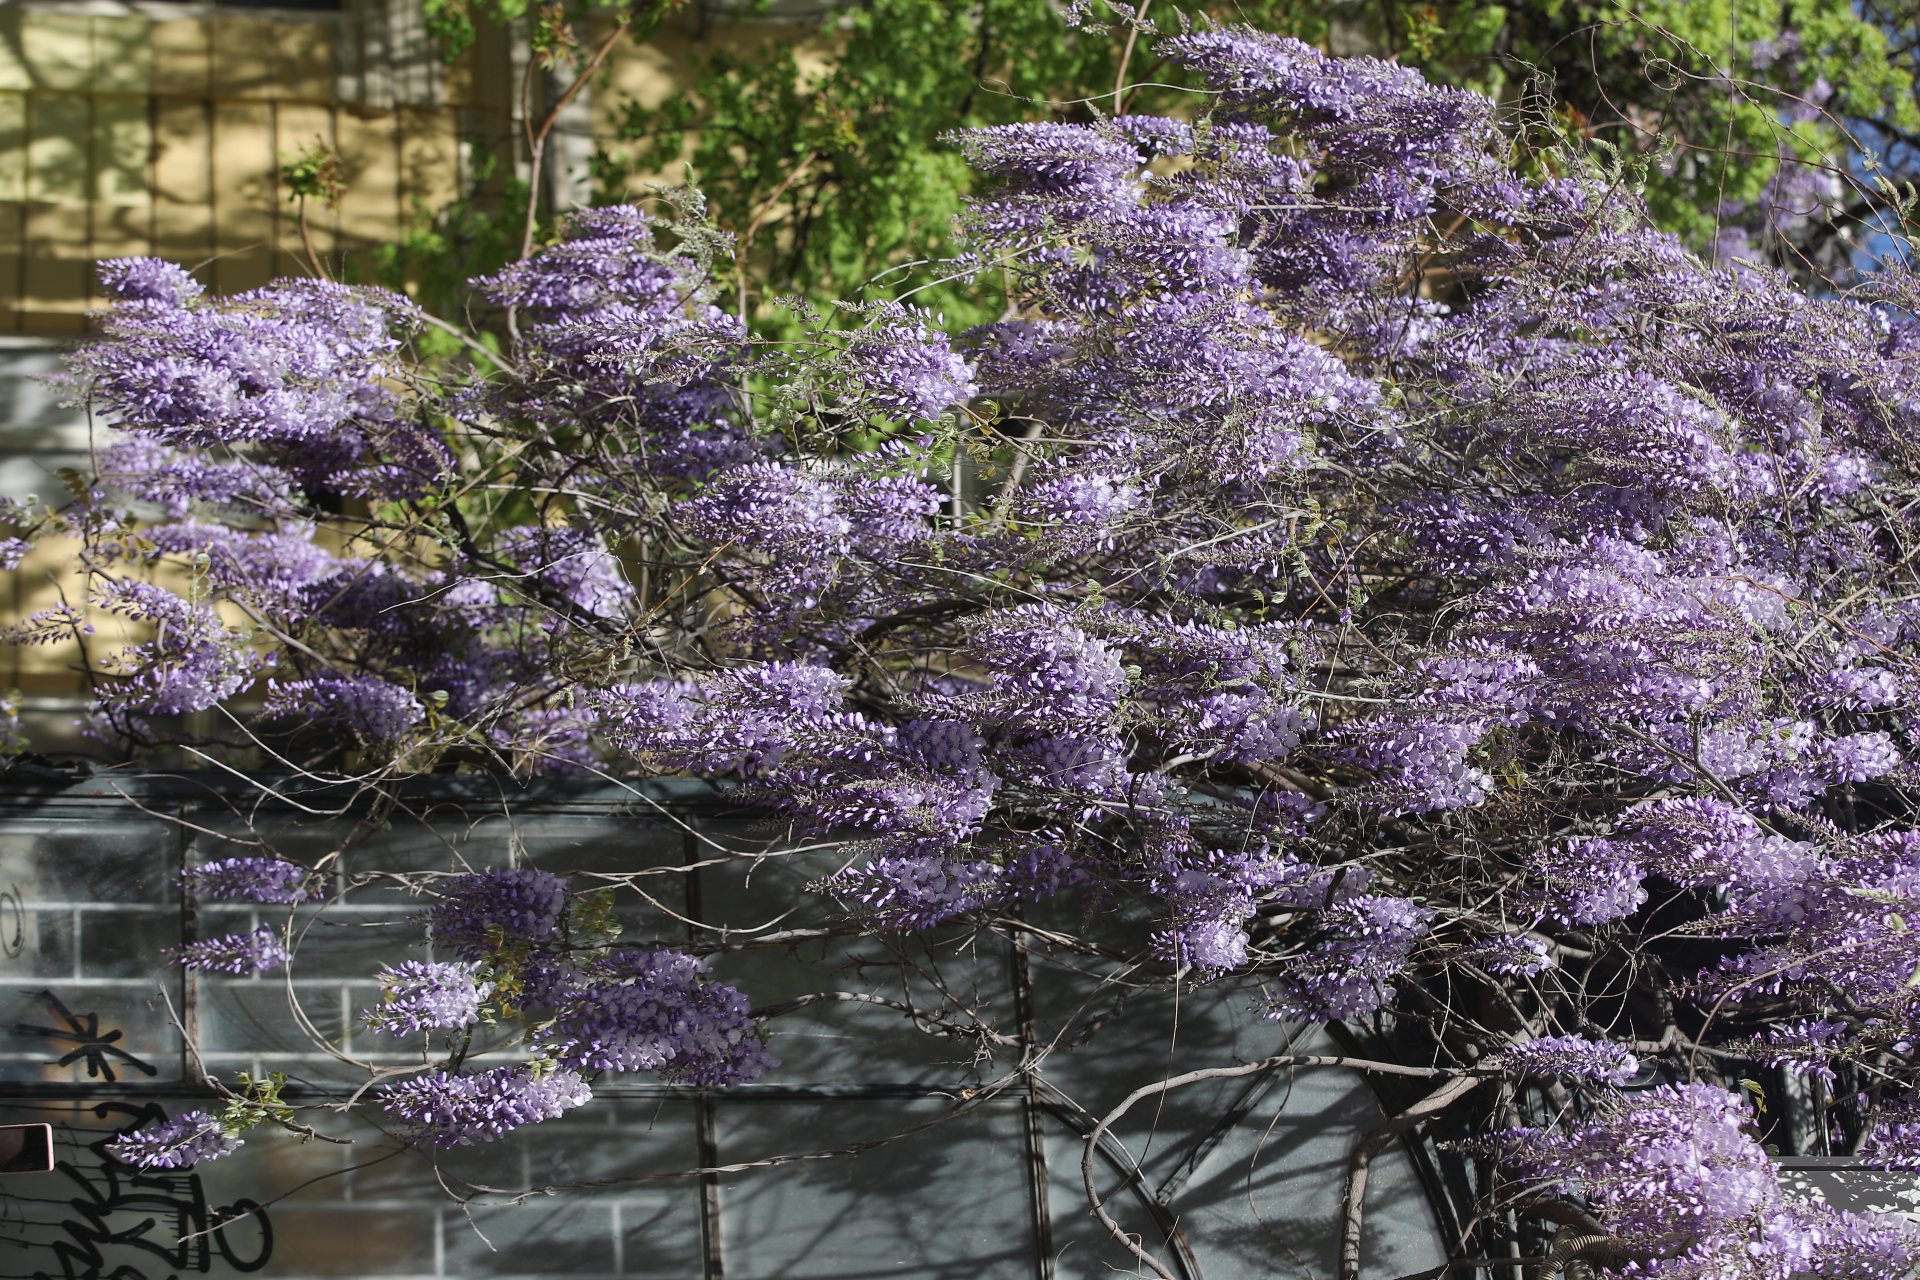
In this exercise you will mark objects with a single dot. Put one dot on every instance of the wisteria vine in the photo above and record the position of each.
(1364, 539)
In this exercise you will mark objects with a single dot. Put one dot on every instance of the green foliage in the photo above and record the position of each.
(590, 921)
(257, 1103)
(451, 22)
(454, 23)
(823, 154)
(1629, 74)
(836, 180)
(316, 174)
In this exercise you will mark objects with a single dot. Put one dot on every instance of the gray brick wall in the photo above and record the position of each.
(89, 896)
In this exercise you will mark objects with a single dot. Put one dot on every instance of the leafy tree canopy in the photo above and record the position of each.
(852, 155)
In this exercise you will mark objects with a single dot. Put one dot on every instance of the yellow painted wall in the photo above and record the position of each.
(126, 135)
(130, 134)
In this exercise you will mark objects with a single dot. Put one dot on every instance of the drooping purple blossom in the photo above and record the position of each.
(1210, 896)
(1509, 954)
(180, 1143)
(1673, 1173)
(802, 518)
(195, 661)
(1081, 498)
(177, 480)
(372, 709)
(416, 995)
(1511, 613)
(1589, 880)
(623, 334)
(1569, 1056)
(291, 363)
(449, 1110)
(251, 880)
(657, 1011)
(237, 953)
(274, 571)
(918, 891)
(150, 280)
(1350, 973)
(571, 564)
(1423, 762)
(1808, 1048)
(781, 724)
(1894, 1140)
(1047, 669)
(484, 910)
(900, 365)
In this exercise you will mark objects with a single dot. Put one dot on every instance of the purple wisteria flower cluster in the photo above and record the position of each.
(443, 1110)
(235, 953)
(179, 1143)
(535, 952)
(1685, 1191)
(530, 951)
(416, 996)
(1364, 546)
(1571, 1056)
(654, 1011)
(251, 880)
(482, 912)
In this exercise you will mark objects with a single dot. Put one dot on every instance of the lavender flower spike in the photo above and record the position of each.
(521, 905)
(651, 1011)
(179, 1143)
(444, 1110)
(1510, 953)
(374, 711)
(1569, 1056)
(250, 880)
(415, 996)
(150, 280)
(253, 952)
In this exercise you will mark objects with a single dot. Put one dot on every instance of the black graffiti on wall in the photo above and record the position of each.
(164, 1214)
(113, 1210)
(95, 1046)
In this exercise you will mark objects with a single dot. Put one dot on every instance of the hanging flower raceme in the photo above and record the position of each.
(251, 880)
(193, 662)
(483, 911)
(235, 953)
(417, 996)
(655, 1011)
(290, 365)
(1686, 1192)
(1569, 1056)
(373, 710)
(446, 1110)
(179, 1143)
